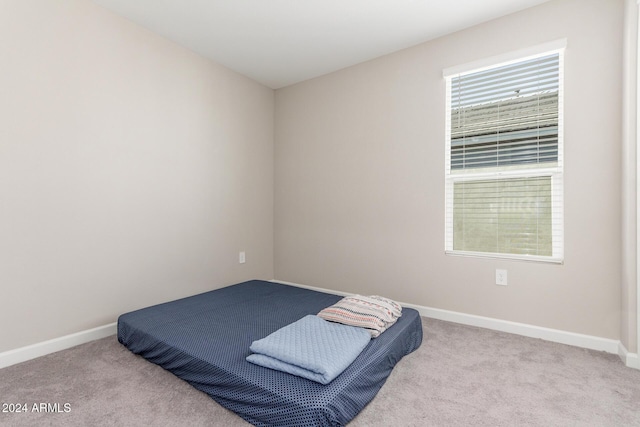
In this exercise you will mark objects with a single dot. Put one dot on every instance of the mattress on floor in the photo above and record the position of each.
(205, 340)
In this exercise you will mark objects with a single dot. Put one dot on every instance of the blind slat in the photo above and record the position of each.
(533, 76)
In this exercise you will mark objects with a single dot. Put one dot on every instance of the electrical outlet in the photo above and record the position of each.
(242, 258)
(501, 277)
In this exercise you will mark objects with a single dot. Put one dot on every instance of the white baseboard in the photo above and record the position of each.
(633, 361)
(313, 288)
(23, 354)
(630, 359)
(531, 331)
(547, 334)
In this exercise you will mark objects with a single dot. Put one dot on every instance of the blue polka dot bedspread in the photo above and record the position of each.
(205, 340)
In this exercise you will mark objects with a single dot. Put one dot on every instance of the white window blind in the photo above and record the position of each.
(504, 166)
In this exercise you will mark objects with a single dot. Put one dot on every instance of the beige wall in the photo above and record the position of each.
(359, 177)
(131, 171)
(628, 324)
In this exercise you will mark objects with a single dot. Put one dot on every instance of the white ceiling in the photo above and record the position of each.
(281, 42)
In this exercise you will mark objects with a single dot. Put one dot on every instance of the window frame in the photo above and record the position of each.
(556, 172)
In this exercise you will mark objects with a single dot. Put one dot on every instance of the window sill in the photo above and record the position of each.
(514, 257)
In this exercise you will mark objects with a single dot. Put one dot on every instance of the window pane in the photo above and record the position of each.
(506, 116)
(503, 216)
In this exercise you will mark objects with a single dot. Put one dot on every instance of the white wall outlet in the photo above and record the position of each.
(501, 277)
(242, 258)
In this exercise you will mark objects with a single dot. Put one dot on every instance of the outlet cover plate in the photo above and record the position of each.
(501, 277)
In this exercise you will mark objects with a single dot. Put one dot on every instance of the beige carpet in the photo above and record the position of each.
(460, 376)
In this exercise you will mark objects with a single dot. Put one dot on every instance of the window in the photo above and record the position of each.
(504, 158)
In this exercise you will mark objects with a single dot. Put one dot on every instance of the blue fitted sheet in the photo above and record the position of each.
(205, 340)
